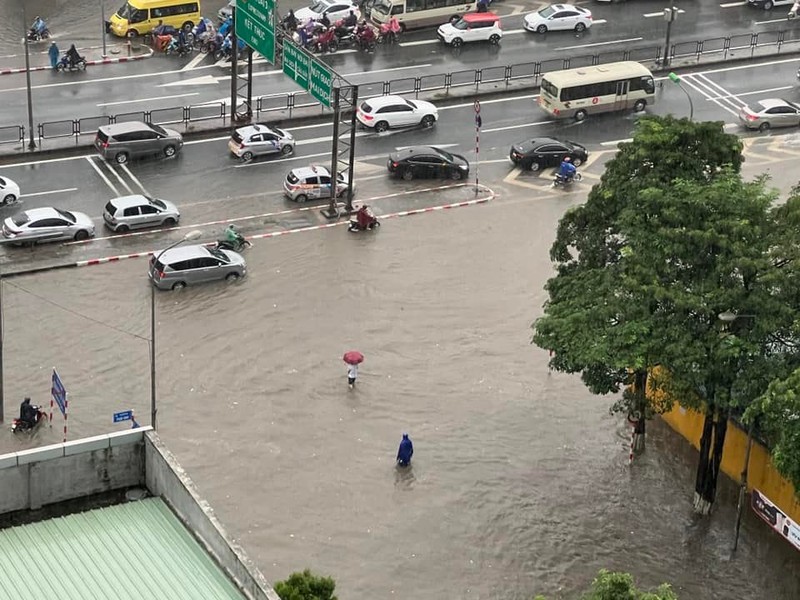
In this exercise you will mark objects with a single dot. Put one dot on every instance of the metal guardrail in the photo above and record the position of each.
(505, 74)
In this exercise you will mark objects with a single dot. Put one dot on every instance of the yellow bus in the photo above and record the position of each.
(419, 13)
(577, 93)
(137, 17)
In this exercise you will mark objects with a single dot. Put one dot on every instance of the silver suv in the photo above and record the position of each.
(187, 265)
(121, 141)
(133, 212)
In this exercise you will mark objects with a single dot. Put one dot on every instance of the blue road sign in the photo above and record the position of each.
(59, 393)
(125, 415)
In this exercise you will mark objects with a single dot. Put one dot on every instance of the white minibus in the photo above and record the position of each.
(577, 93)
(419, 13)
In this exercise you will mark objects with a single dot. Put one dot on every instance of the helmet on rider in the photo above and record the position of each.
(567, 159)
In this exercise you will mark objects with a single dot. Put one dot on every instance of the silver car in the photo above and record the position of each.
(187, 265)
(259, 139)
(46, 225)
(121, 141)
(774, 112)
(134, 212)
(311, 183)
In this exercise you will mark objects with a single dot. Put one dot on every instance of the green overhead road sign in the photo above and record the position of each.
(307, 72)
(255, 26)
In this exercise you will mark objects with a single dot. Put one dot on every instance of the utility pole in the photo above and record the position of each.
(670, 14)
(234, 70)
(31, 142)
(103, 26)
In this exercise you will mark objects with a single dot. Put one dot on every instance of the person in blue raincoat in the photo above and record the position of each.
(226, 27)
(53, 53)
(405, 452)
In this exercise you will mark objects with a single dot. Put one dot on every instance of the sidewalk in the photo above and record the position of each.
(116, 53)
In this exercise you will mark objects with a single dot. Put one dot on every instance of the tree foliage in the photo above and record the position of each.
(620, 586)
(306, 586)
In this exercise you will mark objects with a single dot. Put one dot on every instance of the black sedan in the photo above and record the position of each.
(540, 153)
(426, 162)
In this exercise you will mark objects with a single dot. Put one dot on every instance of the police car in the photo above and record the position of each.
(311, 183)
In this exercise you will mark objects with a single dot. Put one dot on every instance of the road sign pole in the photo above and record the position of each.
(352, 158)
(234, 70)
(332, 211)
(478, 124)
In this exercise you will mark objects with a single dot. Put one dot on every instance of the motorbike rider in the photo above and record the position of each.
(28, 412)
(233, 236)
(365, 35)
(567, 170)
(290, 22)
(72, 56)
(394, 29)
(351, 20)
(364, 217)
(405, 451)
(38, 26)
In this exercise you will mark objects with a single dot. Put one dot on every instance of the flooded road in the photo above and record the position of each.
(520, 483)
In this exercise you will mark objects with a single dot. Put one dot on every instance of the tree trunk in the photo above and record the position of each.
(640, 391)
(712, 442)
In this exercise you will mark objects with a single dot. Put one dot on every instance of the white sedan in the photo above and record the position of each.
(47, 224)
(9, 192)
(559, 17)
(334, 9)
(388, 112)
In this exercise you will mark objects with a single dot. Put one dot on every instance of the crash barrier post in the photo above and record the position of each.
(424, 83)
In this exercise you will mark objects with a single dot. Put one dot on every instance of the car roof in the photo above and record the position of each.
(124, 127)
(128, 201)
(415, 151)
(310, 171)
(772, 102)
(183, 253)
(477, 17)
(255, 128)
(379, 101)
(41, 213)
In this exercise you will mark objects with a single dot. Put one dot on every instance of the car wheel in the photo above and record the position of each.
(381, 126)
(247, 156)
(581, 115)
(121, 158)
(188, 26)
(456, 174)
(81, 65)
(122, 229)
(541, 29)
(81, 235)
(300, 198)
(9, 199)
(639, 106)
(178, 285)
(580, 28)
(170, 151)
(764, 126)
(287, 150)
(494, 39)
(428, 121)
(768, 5)
(60, 67)
(456, 42)
(577, 161)
(534, 166)
(232, 276)
(408, 175)
(133, 34)
(169, 222)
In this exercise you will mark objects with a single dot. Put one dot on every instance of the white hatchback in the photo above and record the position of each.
(334, 9)
(559, 17)
(389, 112)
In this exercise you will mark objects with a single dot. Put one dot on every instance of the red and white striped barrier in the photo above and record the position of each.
(101, 61)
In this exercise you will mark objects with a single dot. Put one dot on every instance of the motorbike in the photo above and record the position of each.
(20, 425)
(224, 51)
(65, 65)
(326, 41)
(175, 47)
(237, 246)
(371, 224)
(562, 181)
(38, 36)
(345, 36)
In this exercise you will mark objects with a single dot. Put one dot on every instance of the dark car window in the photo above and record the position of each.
(111, 209)
(149, 135)
(208, 262)
(219, 254)
(181, 265)
(149, 209)
(102, 136)
(159, 130)
(552, 148)
(256, 137)
(131, 211)
(66, 214)
(325, 179)
(365, 107)
(292, 178)
(427, 160)
(157, 203)
(237, 137)
(51, 222)
(126, 137)
(311, 180)
(20, 219)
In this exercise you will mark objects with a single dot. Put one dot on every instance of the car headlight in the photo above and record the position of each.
(463, 167)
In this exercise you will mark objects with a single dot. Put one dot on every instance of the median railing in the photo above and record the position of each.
(718, 48)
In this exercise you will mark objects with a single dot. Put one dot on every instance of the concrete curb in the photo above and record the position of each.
(101, 61)
(490, 195)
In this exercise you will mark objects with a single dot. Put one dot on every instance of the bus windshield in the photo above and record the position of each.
(125, 11)
(549, 89)
(383, 7)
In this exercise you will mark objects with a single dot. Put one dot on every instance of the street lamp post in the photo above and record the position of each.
(670, 14)
(31, 142)
(674, 78)
(192, 235)
(103, 26)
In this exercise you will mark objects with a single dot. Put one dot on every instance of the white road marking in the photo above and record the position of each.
(537, 123)
(706, 87)
(615, 142)
(783, 20)
(134, 179)
(399, 148)
(147, 99)
(194, 62)
(732, 4)
(201, 80)
(636, 39)
(118, 176)
(102, 176)
(485, 102)
(652, 15)
(777, 89)
(49, 192)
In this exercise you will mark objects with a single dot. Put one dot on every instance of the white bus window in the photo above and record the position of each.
(414, 5)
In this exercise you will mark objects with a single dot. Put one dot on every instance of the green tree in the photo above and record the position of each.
(592, 325)
(306, 586)
(620, 586)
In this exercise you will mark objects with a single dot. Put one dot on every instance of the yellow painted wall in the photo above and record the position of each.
(761, 475)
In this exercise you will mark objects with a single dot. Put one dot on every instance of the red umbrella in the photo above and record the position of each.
(353, 357)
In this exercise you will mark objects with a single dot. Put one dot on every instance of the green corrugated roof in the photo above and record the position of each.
(133, 551)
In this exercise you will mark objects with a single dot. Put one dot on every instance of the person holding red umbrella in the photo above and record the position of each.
(352, 358)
